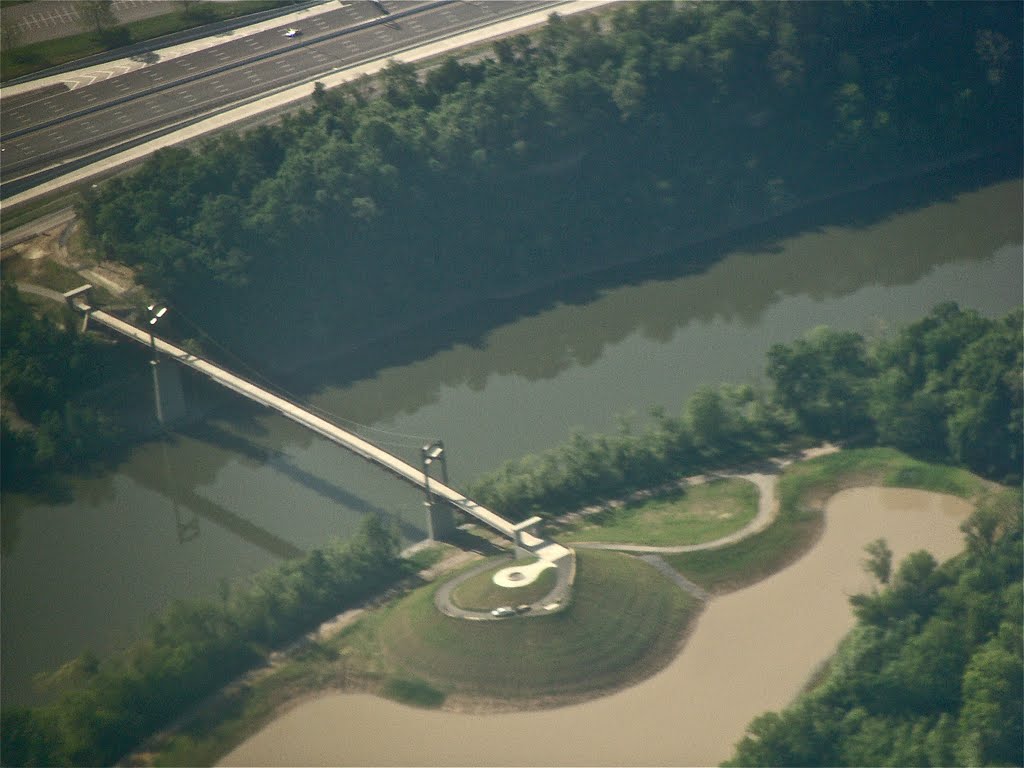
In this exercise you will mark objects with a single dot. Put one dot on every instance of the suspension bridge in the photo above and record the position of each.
(440, 497)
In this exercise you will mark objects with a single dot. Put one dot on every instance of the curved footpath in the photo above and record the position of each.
(767, 507)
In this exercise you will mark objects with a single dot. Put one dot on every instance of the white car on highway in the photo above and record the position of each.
(292, 32)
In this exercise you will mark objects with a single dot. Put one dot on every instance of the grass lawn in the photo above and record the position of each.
(700, 513)
(625, 621)
(803, 490)
(480, 593)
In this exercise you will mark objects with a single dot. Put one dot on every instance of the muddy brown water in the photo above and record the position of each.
(751, 651)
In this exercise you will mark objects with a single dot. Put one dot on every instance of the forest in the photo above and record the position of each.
(595, 140)
(947, 388)
(46, 365)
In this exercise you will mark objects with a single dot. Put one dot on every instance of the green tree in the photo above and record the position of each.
(824, 378)
(990, 721)
(99, 14)
(879, 560)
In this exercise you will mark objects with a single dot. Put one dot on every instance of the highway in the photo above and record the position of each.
(50, 131)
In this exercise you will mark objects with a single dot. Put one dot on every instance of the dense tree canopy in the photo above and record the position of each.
(45, 365)
(948, 387)
(593, 137)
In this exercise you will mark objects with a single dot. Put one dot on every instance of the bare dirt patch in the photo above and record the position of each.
(55, 258)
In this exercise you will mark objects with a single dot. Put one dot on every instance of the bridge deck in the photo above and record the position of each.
(319, 425)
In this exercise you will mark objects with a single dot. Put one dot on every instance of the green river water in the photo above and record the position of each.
(245, 488)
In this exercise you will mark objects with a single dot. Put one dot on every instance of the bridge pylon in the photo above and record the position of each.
(440, 519)
(167, 392)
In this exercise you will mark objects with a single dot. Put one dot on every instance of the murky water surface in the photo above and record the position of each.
(244, 489)
(752, 650)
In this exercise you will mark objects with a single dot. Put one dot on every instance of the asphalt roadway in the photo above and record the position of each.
(50, 131)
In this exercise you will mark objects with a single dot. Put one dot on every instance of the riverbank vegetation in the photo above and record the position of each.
(931, 675)
(593, 141)
(47, 365)
(624, 621)
(411, 652)
(557, 156)
(947, 388)
(192, 649)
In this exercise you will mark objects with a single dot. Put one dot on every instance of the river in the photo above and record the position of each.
(752, 650)
(237, 493)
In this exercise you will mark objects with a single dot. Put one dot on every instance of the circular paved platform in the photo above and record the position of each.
(520, 575)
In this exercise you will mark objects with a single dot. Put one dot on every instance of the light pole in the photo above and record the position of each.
(430, 453)
(154, 315)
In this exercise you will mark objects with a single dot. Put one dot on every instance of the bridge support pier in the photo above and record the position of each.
(167, 393)
(440, 520)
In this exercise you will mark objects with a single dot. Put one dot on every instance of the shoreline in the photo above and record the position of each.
(818, 496)
(564, 708)
(647, 254)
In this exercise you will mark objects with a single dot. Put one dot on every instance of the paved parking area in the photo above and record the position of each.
(49, 19)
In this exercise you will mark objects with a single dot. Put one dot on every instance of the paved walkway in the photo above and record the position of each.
(559, 594)
(697, 591)
(38, 290)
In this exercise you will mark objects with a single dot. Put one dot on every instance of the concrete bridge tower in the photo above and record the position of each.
(440, 519)
(167, 392)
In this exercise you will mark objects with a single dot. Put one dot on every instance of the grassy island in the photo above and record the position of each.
(625, 621)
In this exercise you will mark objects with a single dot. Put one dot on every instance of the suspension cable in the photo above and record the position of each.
(411, 440)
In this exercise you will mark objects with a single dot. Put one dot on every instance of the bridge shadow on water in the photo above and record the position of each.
(279, 462)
